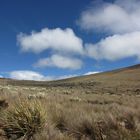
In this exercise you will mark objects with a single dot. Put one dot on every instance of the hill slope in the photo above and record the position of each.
(117, 81)
(126, 80)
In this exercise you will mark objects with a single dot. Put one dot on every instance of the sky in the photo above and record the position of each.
(56, 39)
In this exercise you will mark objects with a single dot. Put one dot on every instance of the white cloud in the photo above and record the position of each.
(122, 16)
(116, 47)
(36, 76)
(28, 75)
(1, 76)
(60, 61)
(92, 72)
(58, 40)
(121, 20)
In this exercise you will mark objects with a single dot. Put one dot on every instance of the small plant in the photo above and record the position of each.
(3, 104)
(24, 119)
(59, 120)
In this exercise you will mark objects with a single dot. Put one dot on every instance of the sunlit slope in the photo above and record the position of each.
(126, 80)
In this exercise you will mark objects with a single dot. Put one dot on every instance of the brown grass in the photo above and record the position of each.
(23, 119)
(72, 116)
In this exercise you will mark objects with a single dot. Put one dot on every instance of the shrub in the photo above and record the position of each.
(24, 119)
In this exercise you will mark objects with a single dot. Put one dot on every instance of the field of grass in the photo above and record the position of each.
(103, 106)
(39, 113)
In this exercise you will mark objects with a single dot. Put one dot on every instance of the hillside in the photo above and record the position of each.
(102, 106)
(126, 80)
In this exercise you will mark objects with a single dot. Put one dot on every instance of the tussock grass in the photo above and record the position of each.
(3, 104)
(23, 119)
(77, 116)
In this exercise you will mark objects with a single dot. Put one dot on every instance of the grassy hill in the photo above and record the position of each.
(126, 80)
(102, 106)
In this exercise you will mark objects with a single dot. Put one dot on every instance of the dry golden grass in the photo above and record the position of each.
(23, 119)
(72, 116)
(98, 107)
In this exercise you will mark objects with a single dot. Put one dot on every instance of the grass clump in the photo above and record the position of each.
(3, 104)
(24, 119)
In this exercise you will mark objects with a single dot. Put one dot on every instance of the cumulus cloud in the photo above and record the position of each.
(1, 76)
(120, 20)
(36, 76)
(60, 61)
(122, 16)
(64, 41)
(92, 72)
(116, 47)
(28, 75)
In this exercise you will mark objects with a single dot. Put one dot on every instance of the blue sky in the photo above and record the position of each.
(52, 39)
